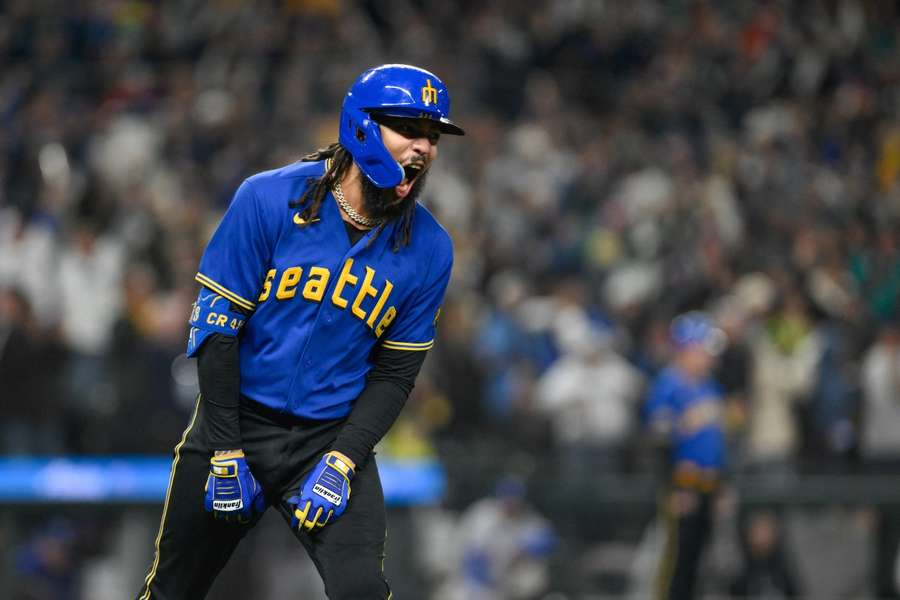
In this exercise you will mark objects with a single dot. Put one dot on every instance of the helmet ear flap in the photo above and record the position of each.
(360, 136)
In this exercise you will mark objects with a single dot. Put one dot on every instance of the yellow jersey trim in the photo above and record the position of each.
(414, 346)
(162, 522)
(223, 291)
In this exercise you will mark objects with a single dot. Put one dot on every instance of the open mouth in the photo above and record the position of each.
(411, 171)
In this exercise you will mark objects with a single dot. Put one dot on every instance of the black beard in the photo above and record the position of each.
(382, 205)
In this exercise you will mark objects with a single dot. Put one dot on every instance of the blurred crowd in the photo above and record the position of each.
(624, 162)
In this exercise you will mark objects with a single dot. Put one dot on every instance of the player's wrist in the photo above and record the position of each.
(342, 462)
(351, 443)
(231, 453)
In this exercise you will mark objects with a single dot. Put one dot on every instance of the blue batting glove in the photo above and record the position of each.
(232, 492)
(324, 494)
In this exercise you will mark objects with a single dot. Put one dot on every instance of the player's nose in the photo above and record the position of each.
(421, 145)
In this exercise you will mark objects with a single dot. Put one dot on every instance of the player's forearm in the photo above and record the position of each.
(219, 372)
(375, 412)
(378, 407)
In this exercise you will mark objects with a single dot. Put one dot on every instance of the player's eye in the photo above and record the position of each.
(416, 131)
(410, 129)
(434, 137)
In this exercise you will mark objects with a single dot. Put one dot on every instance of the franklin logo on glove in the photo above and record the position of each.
(227, 505)
(333, 497)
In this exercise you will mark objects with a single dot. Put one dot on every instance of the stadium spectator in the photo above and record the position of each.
(590, 395)
(786, 354)
(29, 360)
(881, 391)
(766, 573)
(504, 546)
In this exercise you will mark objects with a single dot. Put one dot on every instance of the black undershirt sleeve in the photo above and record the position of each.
(220, 387)
(389, 383)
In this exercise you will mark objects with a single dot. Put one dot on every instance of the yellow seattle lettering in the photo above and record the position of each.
(287, 287)
(345, 278)
(314, 288)
(385, 321)
(388, 286)
(267, 286)
(365, 289)
(316, 282)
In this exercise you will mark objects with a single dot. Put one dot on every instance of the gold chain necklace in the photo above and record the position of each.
(342, 202)
(354, 216)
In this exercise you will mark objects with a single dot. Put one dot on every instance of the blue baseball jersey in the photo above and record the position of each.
(320, 306)
(693, 410)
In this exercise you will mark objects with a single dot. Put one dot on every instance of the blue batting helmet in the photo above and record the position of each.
(397, 91)
(696, 328)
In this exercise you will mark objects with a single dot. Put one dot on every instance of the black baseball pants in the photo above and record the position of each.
(688, 528)
(192, 547)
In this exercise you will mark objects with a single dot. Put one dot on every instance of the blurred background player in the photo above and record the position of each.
(685, 408)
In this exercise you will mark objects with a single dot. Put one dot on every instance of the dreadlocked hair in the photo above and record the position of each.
(310, 203)
(311, 200)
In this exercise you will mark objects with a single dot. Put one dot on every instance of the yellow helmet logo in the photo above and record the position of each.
(429, 93)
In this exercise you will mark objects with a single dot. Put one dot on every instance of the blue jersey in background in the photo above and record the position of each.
(692, 411)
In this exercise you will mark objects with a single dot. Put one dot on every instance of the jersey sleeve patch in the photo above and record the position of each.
(223, 291)
(211, 314)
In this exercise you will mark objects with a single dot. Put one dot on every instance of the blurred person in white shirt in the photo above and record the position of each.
(880, 446)
(90, 276)
(29, 255)
(786, 354)
(590, 394)
(91, 281)
(881, 397)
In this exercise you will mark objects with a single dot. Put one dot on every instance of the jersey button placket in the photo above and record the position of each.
(323, 319)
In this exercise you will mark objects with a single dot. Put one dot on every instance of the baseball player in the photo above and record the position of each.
(320, 293)
(684, 406)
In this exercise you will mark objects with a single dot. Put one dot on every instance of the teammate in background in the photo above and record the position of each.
(321, 290)
(684, 407)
